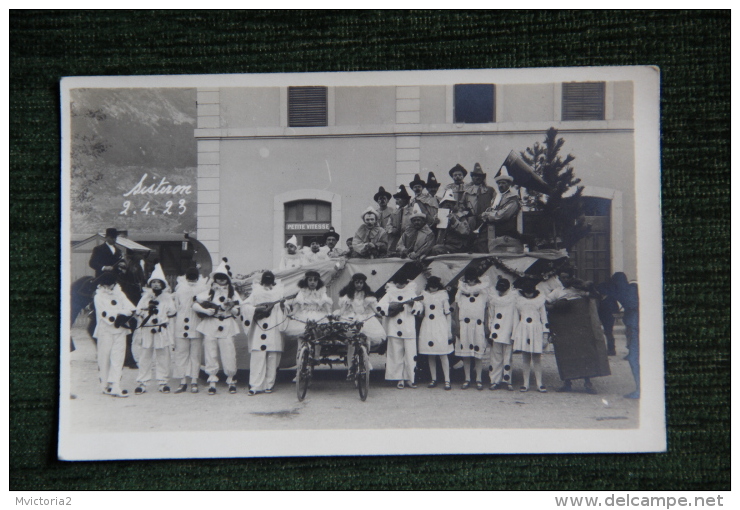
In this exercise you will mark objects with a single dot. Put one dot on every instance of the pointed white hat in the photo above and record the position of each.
(157, 274)
(447, 195)
(416, 212)
(223, 268)
(293, 240)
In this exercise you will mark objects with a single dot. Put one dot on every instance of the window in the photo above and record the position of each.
(592, 255)
(474, 103)
(307, 106)
(583, 101)
(308, 220)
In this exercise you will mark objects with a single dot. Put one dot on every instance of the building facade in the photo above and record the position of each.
(280, 161)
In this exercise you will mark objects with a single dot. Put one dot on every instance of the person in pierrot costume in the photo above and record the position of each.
(114, 313)
(435, 335)
(156, 309)
(188, 340)
(219, 307)
(265, 317)
(401, 314)
(502, 315)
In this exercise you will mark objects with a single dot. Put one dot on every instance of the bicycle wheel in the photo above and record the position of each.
(302, 373)
(363, 372)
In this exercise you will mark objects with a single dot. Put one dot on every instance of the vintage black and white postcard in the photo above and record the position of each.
(426, 262)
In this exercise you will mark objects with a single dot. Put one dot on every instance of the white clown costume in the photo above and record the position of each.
(308, 305)
(435, 335)
(219, 308)
(155, 333)
(401, 331)
(188, 340)
(291, 261)
(111, 340)
(362, 308)
(502, 315)
(264, 336)
(471, 308)
(530, 329)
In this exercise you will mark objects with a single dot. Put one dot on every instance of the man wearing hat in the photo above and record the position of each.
(331, 238)
(106, 256)
(426, 202)
(292, 258)
(432, 184)
(370, 241)
(478, 198)
(418, 239)
(501, 217)
(384, 211)
(457, 186)
(400, 219)
(454, 238)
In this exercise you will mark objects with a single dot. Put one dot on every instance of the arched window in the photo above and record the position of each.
(308, 220)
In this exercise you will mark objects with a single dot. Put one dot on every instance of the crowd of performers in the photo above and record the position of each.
(477, 320)
(480, 320)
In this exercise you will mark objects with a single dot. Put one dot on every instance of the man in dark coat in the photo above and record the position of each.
(478, 198)
(106, 256)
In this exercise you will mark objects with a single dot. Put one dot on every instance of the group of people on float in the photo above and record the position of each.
(473, 213)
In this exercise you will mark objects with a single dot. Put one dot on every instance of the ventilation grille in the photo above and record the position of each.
(307, 106)
(583, 101)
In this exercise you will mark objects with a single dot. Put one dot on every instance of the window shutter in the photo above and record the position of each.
(583, 101)
(307, 106)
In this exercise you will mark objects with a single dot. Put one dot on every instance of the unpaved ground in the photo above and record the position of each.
(332, 403)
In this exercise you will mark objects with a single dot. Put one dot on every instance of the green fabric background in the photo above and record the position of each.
(693, 52)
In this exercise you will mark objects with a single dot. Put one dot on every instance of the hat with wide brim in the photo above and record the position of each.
(331, 233)
(458, 168)
(417, 182)
(111, 232)
(381, 193)
(477, 170)
(402, 193)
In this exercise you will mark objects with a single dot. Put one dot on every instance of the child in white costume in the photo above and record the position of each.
(358, 303)
(401, 330)
(531, 331)
(218, 308)
(265, 310)
(110, 302)
(311, 303)
(502, 315)
(188, 340)
(435, 336)
(471, 308)
(155, 334)
(293, 257)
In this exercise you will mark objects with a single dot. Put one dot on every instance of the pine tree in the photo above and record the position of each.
(560, 222)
